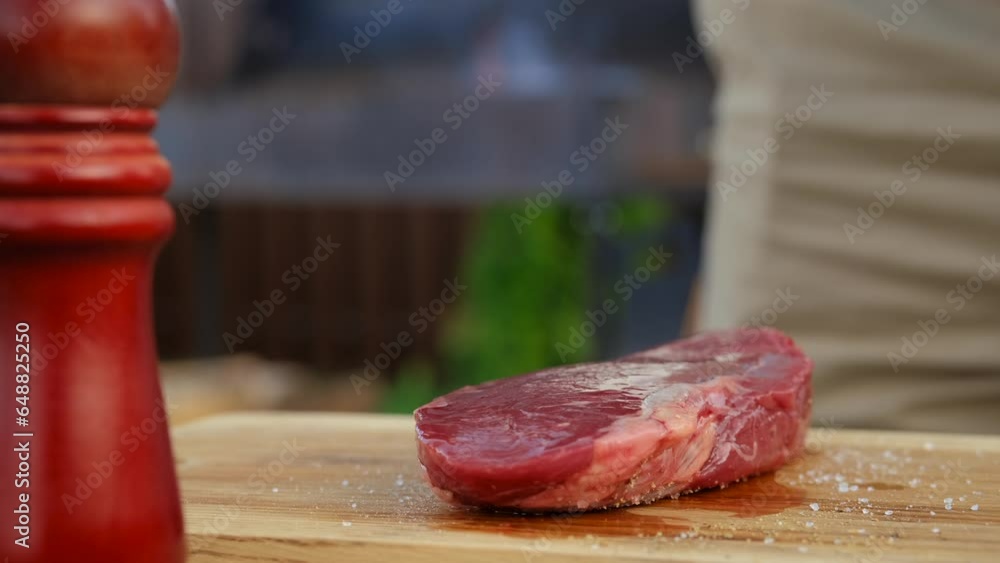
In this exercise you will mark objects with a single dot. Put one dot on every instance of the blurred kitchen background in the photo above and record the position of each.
(529, 285)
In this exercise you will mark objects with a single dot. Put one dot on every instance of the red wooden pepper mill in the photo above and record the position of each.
(86, 470)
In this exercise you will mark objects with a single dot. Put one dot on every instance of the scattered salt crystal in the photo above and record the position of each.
(933, 513)
(803, 549)
(854, 488)
(814, 506)
(843, 487)
(863, 499)
(810, 524)
(974, 507)
(864, 511)
(928, 446)
(936, 530)
(354, 505)
(768, 540)
(888, 513)
(274, 490)
(345, 483)
(948, 503)
(345, 523)
(961, 498)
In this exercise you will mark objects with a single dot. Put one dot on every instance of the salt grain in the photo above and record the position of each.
(274, 490)
(974, 507)
(346, 524)
(888, 513)
(768, 540)
(803, 549)
(936, 530)
(948, 503)
(843, 487)
(810, 524)
(814, 506)
(345, 483)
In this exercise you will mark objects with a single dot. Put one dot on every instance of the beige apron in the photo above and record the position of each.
(892, 107)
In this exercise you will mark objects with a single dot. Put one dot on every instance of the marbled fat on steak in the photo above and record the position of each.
(693, 414)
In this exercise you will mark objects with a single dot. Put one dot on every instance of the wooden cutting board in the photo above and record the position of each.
(344, 488)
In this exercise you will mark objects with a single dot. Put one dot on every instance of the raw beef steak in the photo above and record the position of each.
(697, 413)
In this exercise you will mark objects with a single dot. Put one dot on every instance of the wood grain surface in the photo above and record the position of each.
(343, 488)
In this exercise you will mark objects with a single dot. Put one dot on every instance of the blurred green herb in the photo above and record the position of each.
(526, 290)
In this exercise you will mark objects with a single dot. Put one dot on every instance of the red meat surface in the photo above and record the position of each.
(693, 414)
